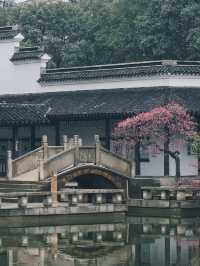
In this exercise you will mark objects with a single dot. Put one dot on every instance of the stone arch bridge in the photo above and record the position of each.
(89, 166)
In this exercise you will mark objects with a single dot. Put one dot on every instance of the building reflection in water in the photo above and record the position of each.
(141, 242)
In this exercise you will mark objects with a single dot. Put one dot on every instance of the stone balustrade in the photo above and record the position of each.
(67, 197)
(184, 230)
(180, 193)
(40, 163)
(35, 159)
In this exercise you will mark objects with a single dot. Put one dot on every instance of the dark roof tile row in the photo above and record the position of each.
(19, 113)
(41, 108)
(8, 32)
(28, 53)
(121, 71)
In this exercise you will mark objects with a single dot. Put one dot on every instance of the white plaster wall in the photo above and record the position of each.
(155, 166)
(188, 163)
(20, 78)
(148, 82)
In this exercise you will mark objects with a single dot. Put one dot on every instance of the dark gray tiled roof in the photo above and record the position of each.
(98, 104)
(19, 113)
(127, 70)
(7, 32)
(122, 101)
(28, 53)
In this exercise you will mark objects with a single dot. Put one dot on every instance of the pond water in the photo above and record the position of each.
(137, 241)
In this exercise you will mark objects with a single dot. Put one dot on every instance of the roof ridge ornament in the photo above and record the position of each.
(18, 39)
(169, 62)
(44, 60)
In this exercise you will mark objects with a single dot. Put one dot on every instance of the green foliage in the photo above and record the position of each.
(196, 146)
(109, 31)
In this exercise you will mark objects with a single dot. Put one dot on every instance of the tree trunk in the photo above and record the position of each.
(178, 170)
(166, 158)
(176, 156)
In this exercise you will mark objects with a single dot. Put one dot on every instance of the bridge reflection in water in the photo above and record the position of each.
(137, 242)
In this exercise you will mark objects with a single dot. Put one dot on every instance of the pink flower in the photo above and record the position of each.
(157, 125)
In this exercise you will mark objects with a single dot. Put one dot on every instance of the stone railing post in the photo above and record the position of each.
(180, 195)
(48, 201)
(45, 147)
(117, 198)
(10, 166)
(41, 166)
(132, 169)
(97, 146)
(23, 202)
(74, 199)
(98, 198)
(80, 142)
(76, 154)
(54, 190)
(65, 143)
(147, 194)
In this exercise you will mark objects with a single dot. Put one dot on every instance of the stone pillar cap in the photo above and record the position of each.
(19, 37)
(45, 58)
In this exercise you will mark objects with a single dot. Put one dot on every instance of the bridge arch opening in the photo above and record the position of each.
(93, 181)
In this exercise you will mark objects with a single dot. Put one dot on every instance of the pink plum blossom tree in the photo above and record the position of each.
(160, 127)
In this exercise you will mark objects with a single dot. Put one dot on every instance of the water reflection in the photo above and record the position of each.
(138, 242)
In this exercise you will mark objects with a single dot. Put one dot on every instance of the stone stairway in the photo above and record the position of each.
(41, 163)
(21, 186)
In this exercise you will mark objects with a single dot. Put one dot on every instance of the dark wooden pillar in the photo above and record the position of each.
(14, 139)
(33, 145)
(57, 133)
(137, 159)
(107, 133)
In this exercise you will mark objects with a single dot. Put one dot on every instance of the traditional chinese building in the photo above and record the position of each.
(35, 100)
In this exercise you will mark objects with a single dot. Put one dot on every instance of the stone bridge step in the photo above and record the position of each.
(19, 186)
